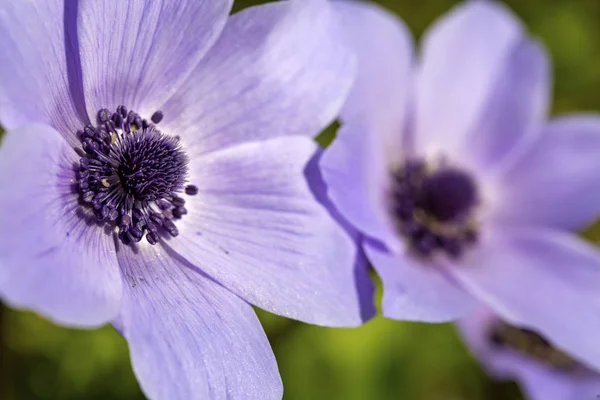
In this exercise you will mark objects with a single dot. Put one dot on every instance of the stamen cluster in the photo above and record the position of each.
(131, 175)
(434, 208)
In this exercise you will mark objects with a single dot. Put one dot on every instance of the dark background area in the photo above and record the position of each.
(384, 359)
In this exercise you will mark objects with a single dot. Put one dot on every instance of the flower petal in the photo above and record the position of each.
(52, 261)
(257, 229)
(541, 279)
(188, 336)
(516, 108)
(415, 291)
(358, 181)
(137, 53)
(556, 182)
(384, 49)
(278, 69)
(463, 55)
(357, 165)
(40, 73)
(540, 382)
(364, 285)
(543, 384)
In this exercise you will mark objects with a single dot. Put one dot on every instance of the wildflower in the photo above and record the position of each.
(510, 352)
(465, 192)
(152, 175)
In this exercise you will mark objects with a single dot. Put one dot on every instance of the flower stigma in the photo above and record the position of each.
(131, 175)
(528, 343)
(434, 208)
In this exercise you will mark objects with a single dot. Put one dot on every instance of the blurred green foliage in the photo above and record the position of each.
(384, 359)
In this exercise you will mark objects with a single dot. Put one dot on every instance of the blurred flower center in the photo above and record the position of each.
(529, 343)
(434, 208)
(131, 174)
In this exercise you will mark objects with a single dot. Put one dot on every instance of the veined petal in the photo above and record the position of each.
(364, 286)
(555, 183)
(538, 380)
(463, 56)
(278, 69)
(40, 74)
(358, 164)
(137, 53)
(541, 279)
(189, 337)
(417, 291)
(256, 228)
(384, 50)
(52, 260)
(359, 181)
(516, 109)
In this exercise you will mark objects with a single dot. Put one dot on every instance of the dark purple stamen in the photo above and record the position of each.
(191, 190)
(434, 208)
(528, 343)
(132, 174)
(157, 117)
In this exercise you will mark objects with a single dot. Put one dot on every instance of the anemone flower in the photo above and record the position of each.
(509, 352)
(465, 190)
(152, 176)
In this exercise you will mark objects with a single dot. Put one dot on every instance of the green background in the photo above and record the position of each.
(384, 359)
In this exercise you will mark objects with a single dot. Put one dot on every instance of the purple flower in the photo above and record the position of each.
(464, 190)
(153, 176)
(509, 352)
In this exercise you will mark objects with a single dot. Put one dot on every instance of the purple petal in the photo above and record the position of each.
(256, 228)
(556, 182)
(358, 181)
(540, 382)
(516, 109)
(463, 56)
(364, 284)
(384, 49)
(52, 261)
(356, 166)
(137, 53)
(417, 291)
(544, 384)
(278, 69)
(541, 279)
(39, 66)
(189, 337)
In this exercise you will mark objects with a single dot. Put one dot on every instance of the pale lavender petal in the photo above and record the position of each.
(359, 181)
(52, 261)
(542, 279)
(544, 384)
(516, 108)
(256, 228)
(357, 165)
(40, 74)
(538, 381)
(364, 285)
(556, 182)
(277, 69)
(137, 53)
(384, 50)
(189, 337)
(417, 291)
(463, 56)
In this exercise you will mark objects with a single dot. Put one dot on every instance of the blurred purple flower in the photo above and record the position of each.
(508, 352)
(168, 223)
(463, 189)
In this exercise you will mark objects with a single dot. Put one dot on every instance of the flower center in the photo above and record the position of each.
(434, 208)
(131, 175)
(529, 343)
